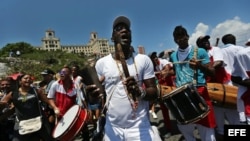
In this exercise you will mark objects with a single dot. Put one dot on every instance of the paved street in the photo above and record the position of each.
(176, 136)
(175, 133)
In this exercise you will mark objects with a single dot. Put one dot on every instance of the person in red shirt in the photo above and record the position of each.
(162, 73)
(62, 94)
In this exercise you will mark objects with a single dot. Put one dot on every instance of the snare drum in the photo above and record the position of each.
(186, 105)
(70, 124)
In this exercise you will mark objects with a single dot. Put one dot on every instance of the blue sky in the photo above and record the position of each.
(152, 22)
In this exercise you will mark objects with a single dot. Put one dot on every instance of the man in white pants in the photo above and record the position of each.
(241, 76)
(124, 73)
(229, 51)
(222, 112)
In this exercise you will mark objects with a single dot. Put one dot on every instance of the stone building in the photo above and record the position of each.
(95, 46)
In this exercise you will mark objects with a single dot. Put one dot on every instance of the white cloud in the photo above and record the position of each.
(233, 26)
(200, 30)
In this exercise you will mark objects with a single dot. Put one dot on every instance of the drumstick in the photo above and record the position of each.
(55, 119)
(183, 62)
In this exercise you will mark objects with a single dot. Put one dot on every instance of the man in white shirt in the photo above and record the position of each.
(229, 51)
(124, 73)
(218, 63)
(241, 76)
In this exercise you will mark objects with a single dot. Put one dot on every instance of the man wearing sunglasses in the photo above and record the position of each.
(62, 94)
(124, 73)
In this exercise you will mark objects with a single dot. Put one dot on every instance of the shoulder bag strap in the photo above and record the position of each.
(37, 100)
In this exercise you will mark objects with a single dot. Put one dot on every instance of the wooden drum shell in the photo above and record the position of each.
(222, 94)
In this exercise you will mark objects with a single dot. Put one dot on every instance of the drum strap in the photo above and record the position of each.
(105, 107)
(195, 71)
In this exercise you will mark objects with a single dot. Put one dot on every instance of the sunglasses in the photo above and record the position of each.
(63, 72)
(121, 27)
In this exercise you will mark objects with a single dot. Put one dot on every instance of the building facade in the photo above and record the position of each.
(96, 46)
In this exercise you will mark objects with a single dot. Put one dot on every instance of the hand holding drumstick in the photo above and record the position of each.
(195, 64)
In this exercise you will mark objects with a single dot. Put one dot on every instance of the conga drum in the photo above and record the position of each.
(70, 124)
(186, 104)
(222, 94)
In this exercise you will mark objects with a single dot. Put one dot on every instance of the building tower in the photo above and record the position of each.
(50, 42)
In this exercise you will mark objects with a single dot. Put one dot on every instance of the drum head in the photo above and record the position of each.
(67, 120)
(176, 91)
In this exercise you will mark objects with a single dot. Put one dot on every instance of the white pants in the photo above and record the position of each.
(131, 134)
(206, 134)
(222, 114)
(241, 108)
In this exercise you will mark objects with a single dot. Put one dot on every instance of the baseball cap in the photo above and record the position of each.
(248, 42)
(201, 38)
(48, 71)
(152, 55)
(121, 19)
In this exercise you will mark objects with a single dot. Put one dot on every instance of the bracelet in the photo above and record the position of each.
(143, 92)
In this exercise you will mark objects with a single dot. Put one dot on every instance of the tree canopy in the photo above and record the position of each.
(34, 61)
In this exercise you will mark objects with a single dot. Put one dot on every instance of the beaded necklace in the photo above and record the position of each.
(134, 104)
(23, 94)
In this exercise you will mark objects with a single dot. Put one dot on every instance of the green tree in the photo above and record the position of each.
(19, 46)
(34, 61)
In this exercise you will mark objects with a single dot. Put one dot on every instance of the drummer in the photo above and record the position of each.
(222, 113)
(62, 94)
(161, 68)
(191, 65)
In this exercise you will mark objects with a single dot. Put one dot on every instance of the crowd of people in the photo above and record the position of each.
(132, 85)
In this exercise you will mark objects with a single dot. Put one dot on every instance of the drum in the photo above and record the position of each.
(70, 124)
(223, 95)
(186, 105)
(164, 90)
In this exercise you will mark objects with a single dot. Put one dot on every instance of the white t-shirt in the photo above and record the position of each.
(216, 53)
(229, 51)
(80, 96)
(77, 81)
(120, 112)
(241, 67)
(163, 63)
